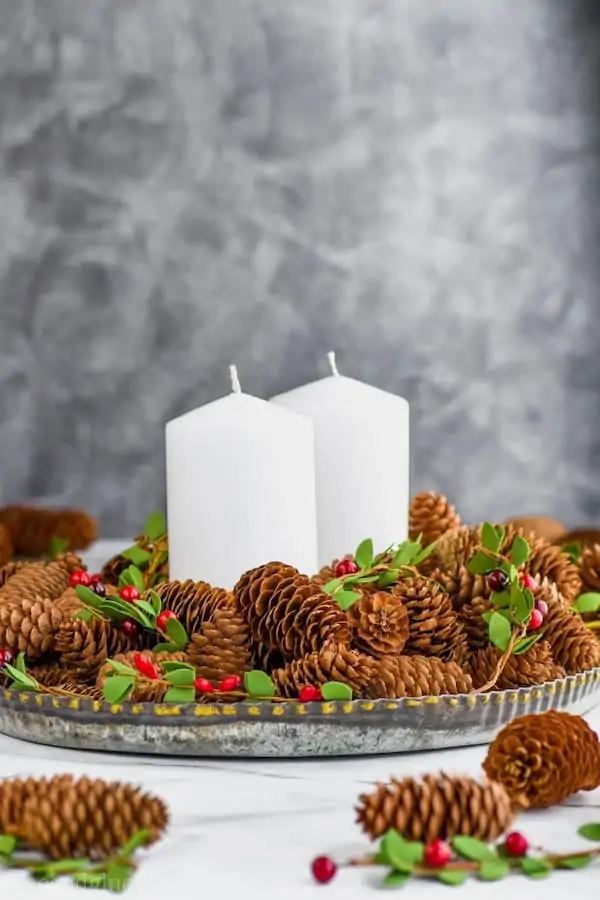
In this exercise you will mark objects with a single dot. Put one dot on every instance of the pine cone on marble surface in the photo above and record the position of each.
(436, 807)
(221, 647)
(379, 624)
(542, 759)
(83, 647)
(537, 666)
(29, 626)
(333, 662)
(33, 528)
(430, 516)
(434, 629)
(193, 602)
(289, 613)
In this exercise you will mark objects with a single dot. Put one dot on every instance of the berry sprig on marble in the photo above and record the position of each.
(383, 569)
(452, 863)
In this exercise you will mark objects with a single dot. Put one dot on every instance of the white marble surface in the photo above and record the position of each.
(249, 829)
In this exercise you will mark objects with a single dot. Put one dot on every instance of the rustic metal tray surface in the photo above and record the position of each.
(286, 730)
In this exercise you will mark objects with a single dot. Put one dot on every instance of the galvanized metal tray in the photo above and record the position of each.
(286, 730)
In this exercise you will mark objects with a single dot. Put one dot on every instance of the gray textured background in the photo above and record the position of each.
(415, 184)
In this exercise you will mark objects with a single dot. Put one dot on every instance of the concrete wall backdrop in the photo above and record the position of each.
(184, 184)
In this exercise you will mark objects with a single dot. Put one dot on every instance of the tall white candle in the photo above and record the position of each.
(240, 489)
(361, 459)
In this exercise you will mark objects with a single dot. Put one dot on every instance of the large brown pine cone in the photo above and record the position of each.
(32, 528)
(542, 759)
(222, 646)
(84, 646)
(266, 660)
(534, 667)
(434, 629)
(418, 676)
(145, 690)
(287, 612)
(69, 603)
(471, 618)
(68, 818)
(8, 570)
(7, 549)
(431, 515)
(194, 602)
(333, 662)
(379, 623)
(572, 644)
(590, 568)
(436, 807)
(13, 794)
(454, 550)
(29, 626)
(40, 579)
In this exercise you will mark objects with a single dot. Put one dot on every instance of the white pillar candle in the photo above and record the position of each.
(240, 489)
(361, 460)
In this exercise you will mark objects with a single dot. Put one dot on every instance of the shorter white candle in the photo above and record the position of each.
(240, 489)
(361, 458)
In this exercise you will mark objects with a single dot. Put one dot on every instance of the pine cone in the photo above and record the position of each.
(29, 626)
(69, 603)
(113, 569)
(39, 579)
(221, 647)
(537, 666)
(7, 549)
(67, 818)
(32, 528)
(590, 568)
(431, 515)
(333, 662)
(436, 807)
(51, 675)
(572, 644)
(379, 623)
(8, 570)
(434, 629)
(287, 612)
(539, 526)
(418, 676)
(84, 646)
(266, 660)
(194, 602)
(145, 690)
(454, 550)
(14, 792)
(543, 759)
(471, 618)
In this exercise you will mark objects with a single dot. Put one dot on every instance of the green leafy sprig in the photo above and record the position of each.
(383, 569)
(471, 858)
(150, 553)
(21, 680)
(111, 874)
(58, 546)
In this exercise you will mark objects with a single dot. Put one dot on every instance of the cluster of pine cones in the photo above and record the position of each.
(423, 635)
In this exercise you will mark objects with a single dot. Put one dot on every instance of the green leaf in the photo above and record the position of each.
(588, 603)
(180, 695)
(137, 555)
(524, 644)
(398, 852)
(336, 690)
(172, 665)
(90, 879)
(137, 840)
(396, 879)
(121, 668)
(388, 578)
(125, 578)
(145, 607)
(44, 873)
(58, 545)
(481, 564)
(453, 877)
(364, 554)
(155, 601)
(137, 579)
(424, 553)
(8, 844)
(519, 551)
(534, 868)
(181, 676)
(20, 663)
(573, 551)
(117, 688)
(472, 848)
(22, 679)
(331, 586)
(155, 525)
(258, 684)
(87, 596)
(490, 539)
(84, 614)
(165, 648)
(176, 632)
(574, 862)
(493, 869)
(519, 605)
(591, 831)
(500, 631)
(118, 876)
(363, 579)
(346, 599)
(405, 553)
(501, 599)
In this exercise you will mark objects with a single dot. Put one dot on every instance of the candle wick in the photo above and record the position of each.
(332, 363)
(235, 380)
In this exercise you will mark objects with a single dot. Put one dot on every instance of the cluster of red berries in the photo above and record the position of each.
(499, 581)
(227, 684)
(93, 582)
(6, 656)
(437, 854)
(345, 567)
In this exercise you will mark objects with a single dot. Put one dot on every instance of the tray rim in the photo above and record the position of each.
(210, 713)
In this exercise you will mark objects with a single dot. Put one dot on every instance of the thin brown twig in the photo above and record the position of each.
(501, 664)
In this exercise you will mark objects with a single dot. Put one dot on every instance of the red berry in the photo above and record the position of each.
(203, 686)
(542, 606)
(145, 666)
(79, 576)
(309, 693)
(95, 578)
(129, 592)
(345, 567)
(516, 844)
(527, 581)
(498, 580)
(163, 617)
(5, 657)
(323, 869)
(535, 620)
(131, 629)
(231, 683)
(437, 854)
